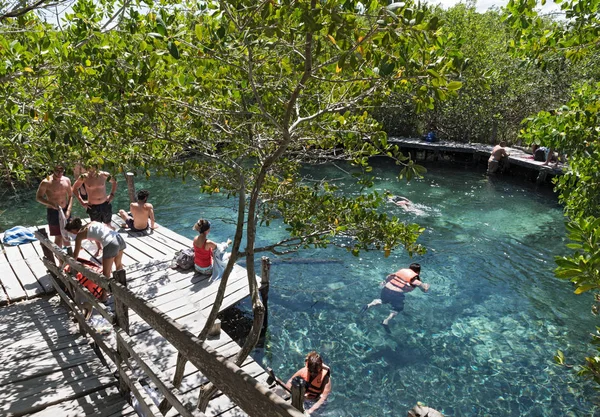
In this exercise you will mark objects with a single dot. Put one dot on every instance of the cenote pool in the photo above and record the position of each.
(480, 343)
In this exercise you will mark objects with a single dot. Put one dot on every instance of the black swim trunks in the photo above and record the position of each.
(100, 212)
(395, 298)
(129, 222)
(53, 222)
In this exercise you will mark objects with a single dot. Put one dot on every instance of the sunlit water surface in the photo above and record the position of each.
(480, 343)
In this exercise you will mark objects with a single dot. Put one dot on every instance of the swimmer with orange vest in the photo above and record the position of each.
(317, 376)
(395, 286)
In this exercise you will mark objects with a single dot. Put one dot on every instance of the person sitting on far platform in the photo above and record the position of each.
(498, 153)
(317, 376)
(110, 242)
(141, 214)
(395, 286)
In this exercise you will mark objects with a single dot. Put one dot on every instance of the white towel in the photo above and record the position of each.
(62, 221)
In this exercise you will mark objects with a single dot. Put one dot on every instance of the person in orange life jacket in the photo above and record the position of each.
(395, 286)
(318, 378)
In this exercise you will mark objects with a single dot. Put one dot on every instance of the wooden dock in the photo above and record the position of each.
(479, 151)
(183, 296)
(49, 369)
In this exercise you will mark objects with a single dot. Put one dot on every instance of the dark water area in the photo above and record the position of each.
(480, 343)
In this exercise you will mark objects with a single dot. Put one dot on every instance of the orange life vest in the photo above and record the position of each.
(315, 386)
(94, 288)
(403, 279)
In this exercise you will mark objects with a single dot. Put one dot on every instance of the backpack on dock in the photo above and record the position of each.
(183, 259)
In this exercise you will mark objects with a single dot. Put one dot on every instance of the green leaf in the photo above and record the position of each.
(173, 49)
(454, 85)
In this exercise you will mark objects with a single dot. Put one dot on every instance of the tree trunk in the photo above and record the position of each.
(181, 361)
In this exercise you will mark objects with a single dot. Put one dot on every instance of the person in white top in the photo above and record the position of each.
(111, 242)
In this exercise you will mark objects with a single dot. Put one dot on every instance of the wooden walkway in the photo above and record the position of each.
(517, 156)
(49, 369)
(184, 296)
(22, 273)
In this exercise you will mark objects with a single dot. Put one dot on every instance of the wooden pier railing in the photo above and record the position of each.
(250, 395)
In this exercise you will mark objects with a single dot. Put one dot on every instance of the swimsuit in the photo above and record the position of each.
(203, 260)
(53, 221)
(129, 223)
(100, 212)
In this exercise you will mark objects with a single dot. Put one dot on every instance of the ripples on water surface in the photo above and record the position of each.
(480, 343)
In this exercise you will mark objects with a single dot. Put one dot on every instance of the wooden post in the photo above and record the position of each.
(130, 187)
(215, 330)
(265, 278)
(541, 176)
(122, 321)
(298, 391)
(265, 270)
(47, 252)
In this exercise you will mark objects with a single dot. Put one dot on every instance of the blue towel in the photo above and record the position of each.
(17, 236)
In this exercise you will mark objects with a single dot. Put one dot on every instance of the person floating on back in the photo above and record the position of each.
(141, 214)
(395, 286)
(317, 376)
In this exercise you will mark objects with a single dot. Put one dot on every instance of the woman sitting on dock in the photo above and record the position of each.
(110, 241)
(203, 248)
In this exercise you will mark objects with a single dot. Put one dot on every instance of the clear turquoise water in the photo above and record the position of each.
(480, 343)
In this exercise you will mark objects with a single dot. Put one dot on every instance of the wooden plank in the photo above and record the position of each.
(254, 398)
(100, 403)
(58, 361)
(12, 253)
(165, 387)
(41, 393)
(41, 274)
(171, 235)
(28, 251)
(27, 278)
(11, 284)
(142, 246)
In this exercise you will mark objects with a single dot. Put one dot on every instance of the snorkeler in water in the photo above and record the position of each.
(395, 286)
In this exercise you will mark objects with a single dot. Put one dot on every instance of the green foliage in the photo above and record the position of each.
(497, 90)
(571, 129)
(239, 94)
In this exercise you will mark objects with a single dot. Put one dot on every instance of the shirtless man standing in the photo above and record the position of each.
(497, 154)
(139, 213)
(98, 205)
(55, 192)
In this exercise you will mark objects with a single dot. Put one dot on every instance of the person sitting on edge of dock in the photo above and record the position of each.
(98, 205)
(141, 214)
(111, 243)
(55, 193)
(498, 153)
(203, 248)
(395, 286)
(317, 376)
